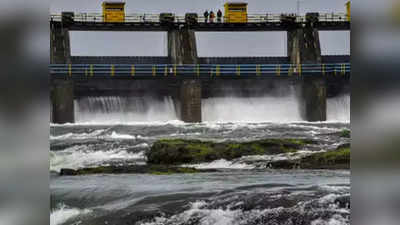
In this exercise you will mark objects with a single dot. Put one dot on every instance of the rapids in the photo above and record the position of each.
(118, 131)
(244, 192)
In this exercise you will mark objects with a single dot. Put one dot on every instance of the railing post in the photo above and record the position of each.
(91, 70)
(174, 69)
(278, 70)
(133, 70)
(299, 69)
(343, 69)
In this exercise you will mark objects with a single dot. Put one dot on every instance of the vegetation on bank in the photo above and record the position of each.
(179, 151)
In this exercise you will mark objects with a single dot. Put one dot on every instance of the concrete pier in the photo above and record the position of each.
(313, 94)
(304, 47)
(60, 51)
(61, 91)
(190, 98)
(182, 50)
(62, 102)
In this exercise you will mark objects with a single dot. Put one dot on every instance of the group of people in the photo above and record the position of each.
(210, 16)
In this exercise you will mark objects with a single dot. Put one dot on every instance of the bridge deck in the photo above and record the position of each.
(151, 22)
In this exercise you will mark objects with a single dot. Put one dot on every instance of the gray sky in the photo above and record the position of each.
(208, 43)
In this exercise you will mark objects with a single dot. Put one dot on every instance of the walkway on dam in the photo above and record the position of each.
(152, 22)
(201, 71)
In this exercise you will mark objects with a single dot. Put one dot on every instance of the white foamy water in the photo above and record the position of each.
(118, 110)
(251, 162)
(116, 135)
(338, 108)
(209, 216)
(253, 109)
(62, 214)
(278, 157)
(131, 110)
(335, 220)
(198, 212)
(95, 133)
(220, 164)
(79, 156)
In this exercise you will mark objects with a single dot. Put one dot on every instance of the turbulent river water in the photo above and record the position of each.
(244, 192)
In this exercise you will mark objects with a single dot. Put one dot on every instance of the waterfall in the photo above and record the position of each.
(338, 108)
(252, 109)
(114, 109)
(266, 108)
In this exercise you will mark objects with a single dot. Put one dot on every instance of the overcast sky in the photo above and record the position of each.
(208, 43)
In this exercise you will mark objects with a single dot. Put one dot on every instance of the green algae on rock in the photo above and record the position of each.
(345, 133)
(136, 169)
(180, 151)
(334, 159)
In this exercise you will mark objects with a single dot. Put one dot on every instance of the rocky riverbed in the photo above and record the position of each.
(189, 174)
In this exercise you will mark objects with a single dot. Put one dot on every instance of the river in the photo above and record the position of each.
(244, 192)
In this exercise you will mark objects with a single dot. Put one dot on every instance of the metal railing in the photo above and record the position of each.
(155, 18)
(195, 70)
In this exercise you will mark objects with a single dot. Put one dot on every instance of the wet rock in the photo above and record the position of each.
(343, 201)
(179, 151)
(345, 133)
(284, 164)
(335, 159)
(68, 172)
(140, 169)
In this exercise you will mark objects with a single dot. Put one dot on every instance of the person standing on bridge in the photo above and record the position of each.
(219, 16)
(206, 16)
(212, 16)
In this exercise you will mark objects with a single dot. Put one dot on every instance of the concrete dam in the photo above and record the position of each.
(193, 86)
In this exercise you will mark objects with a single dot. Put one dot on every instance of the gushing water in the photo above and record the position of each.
(267, 108)
(338, 108)
(115, 109)
(253, 109)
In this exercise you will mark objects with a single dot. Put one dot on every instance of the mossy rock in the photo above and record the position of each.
(180, 151)
(336, 159)
(138, 169)
(345, 133)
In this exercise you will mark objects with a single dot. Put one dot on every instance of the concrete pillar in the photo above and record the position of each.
(190, 98)
(60, 52)
(182, 50)
(62, 102)
(303, 47)
(182, 46)
(313, 94)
